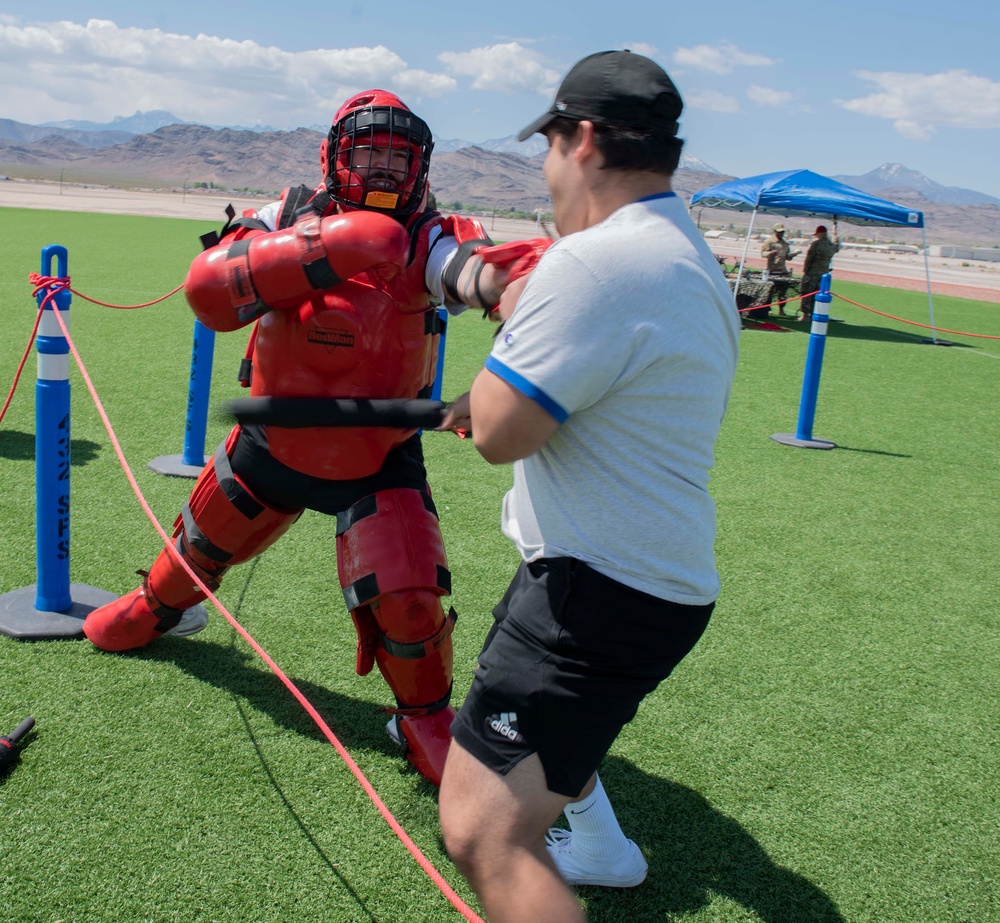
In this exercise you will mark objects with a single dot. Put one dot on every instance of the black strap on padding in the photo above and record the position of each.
(457, 264)
(444, 579)
(479, 294)
(245, 374)
(414, 650)
(366, 588)
(212, 238)
(320, 274)
(209, 240)
(366, 506)
(318, 205)
(198, 539)
(300, 203)
(251, 224)
(238, 250)
(418, 711)
(414, 230)
(434, 323)
(359, 592)
(429, 504)
(235, 492)
(230, 215)
(168, 615)
(297, 197)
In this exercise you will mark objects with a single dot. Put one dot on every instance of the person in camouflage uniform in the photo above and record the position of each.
(817, 262)
(777, 252)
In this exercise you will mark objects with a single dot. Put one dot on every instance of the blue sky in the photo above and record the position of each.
(835, 87)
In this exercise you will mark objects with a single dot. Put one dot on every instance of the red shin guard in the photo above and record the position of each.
(427, 738)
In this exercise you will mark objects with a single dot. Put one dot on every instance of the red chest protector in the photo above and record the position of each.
(367, 337)
(362, 339)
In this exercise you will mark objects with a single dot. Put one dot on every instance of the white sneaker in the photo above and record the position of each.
(627, 871)
(192, 621)
(394, 732)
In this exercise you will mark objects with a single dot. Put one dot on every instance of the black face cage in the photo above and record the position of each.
(390, 124)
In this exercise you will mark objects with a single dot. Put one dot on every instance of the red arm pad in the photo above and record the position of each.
(517, 258)
(235, 282)
(463, 229)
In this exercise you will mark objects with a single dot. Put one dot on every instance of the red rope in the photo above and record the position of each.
(903, 320)
(435, 876)
(40, 281)
(777, 304)
(27, 352)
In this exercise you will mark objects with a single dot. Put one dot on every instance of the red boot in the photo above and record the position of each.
(128, 622)
(426, 739)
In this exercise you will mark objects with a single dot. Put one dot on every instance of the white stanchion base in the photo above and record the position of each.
(20, 619)
(792, 439)
(174, 466)
(929, 341)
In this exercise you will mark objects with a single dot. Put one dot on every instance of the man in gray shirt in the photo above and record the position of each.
(606, 389)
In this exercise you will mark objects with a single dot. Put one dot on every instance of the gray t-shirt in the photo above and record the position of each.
(627, 334)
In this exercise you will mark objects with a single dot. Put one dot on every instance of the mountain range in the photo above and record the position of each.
(157, 149)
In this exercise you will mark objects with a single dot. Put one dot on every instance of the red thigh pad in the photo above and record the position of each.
(390, 541)
(222, 524)
(393, 568)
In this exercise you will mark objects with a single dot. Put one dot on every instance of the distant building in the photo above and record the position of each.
(990, 254)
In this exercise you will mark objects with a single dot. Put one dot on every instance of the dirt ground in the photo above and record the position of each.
(964, 279)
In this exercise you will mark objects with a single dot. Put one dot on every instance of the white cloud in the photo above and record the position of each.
(919, 104)
(508, 68)
(111, 71)
(721, 58)
(768, 96)
(711, 100)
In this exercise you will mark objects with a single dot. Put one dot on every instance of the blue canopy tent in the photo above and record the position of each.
(802, 193)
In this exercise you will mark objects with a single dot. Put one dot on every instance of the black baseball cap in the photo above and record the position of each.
(616, 88)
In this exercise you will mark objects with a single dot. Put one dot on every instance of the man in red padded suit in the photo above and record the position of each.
(342, 283)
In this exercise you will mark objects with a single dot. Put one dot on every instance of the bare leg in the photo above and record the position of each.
(494, 828)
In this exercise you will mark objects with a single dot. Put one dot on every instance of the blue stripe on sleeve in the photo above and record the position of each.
(526, 388)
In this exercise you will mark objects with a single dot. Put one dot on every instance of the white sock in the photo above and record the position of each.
(595, 828)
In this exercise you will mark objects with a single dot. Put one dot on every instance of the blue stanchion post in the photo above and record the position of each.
(52, 446)
(442, 314)
(190, 462)
(52, 608)
(803, 436)
(202, 354)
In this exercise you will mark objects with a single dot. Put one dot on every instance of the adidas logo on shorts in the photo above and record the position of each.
(505, 724)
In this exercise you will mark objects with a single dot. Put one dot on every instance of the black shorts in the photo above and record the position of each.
(569, 658)
(286, 488)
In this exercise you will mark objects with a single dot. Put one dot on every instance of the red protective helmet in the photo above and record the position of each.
(358, 178)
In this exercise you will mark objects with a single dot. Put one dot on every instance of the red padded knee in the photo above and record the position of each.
(414, 652)
(391, 560)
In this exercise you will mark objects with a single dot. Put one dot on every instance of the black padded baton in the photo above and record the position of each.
(297, 412)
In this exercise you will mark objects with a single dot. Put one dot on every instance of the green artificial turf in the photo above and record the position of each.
(827, 753)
